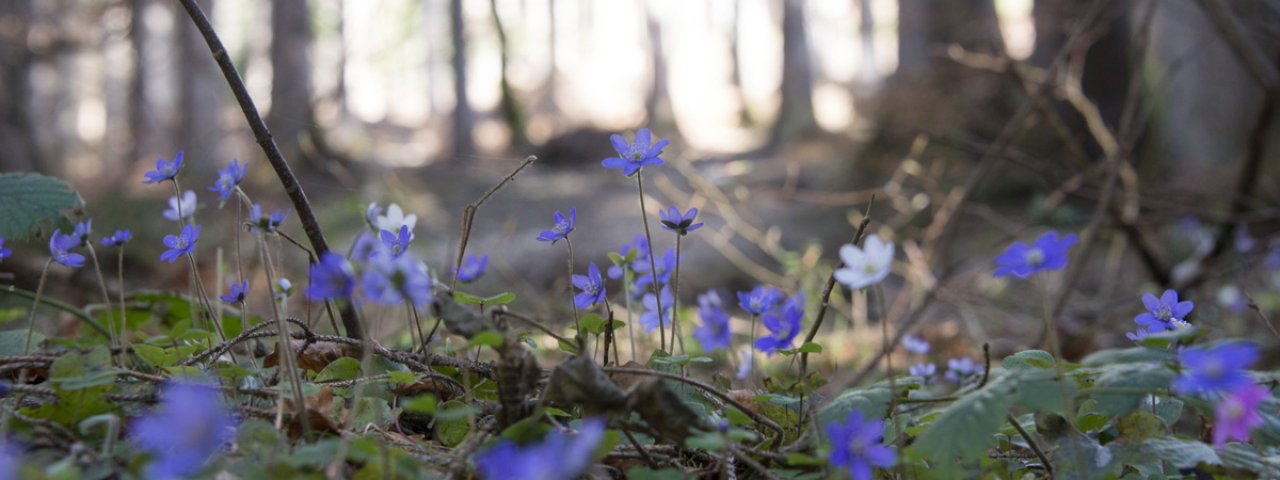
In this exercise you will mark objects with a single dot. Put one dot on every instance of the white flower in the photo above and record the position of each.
(746, 366)
(187, 206)
(394, 219)
(865, 266)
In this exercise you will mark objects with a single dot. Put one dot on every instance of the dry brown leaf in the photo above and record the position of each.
(318, 415)
(315, 356)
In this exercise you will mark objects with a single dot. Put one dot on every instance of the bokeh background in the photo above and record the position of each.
(1146, 125)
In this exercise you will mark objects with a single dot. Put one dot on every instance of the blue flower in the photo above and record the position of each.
(760, 299)
(258, 222)
(165, 170)
(915, 344)
(681, 224)
(665, 267)
(783, 326)
(1048, 253)
(633, 156)
(641, 245)
(237, 293)
(229, 178)
(4, 252)
(649, 319)
(473, 268)
(714, 333)
(1217, 369)
(922, 369)
(960, 369)
(1165, 313)
(10, 460)
(331, 278)
(180, 244)
(185, 205)
(592, 287)
(60, 246)
(561, 229)
(188, 429)
(857, 445)
(284, 288)
(82, 232)
(396, 244)
(116, 239)
(556, 457)
(391, 279)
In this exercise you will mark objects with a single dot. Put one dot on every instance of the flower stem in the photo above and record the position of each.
(282, 331)
(31, 320)
(106, 297)
(751, 374)
(1051, 337)
(627, 275)
(124, 318)
(582, 339)
(675, 300)
(653, 267)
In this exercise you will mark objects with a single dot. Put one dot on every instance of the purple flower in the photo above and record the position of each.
(181, 244)
(760, 299)
(635, 155)
(783, 326)
(165, 170)
(857, 445)
(397, 244)
(922, 369)
(592, 287)
(82, 232)
(641, 244)
(1217, 369)
(676, 222)
(237, 293)
(284, 288)
(4, 252)
(188, 429)
(665, 267)
(331, 278)
(229, 178)
(649, 319)
(915, 344)
(561, 229)
(60, 246)
(1243, 241)
(116, 239)
(1048, 253)
(960, 369)
(556, 457)
(1165, 313)
(1237, 414)
(258, 222)
(473, 268)
(714, 333)
(10, 459)
(185, 205)
(392, 279)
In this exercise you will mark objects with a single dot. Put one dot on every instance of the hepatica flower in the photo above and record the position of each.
(116, 239)
(635, 155)
(783, 326)
(391, 280)
(181, 244)
(591, 286)
(228, 179)
(665, 267)
(760, 299)
(396, 243)
(915, 344)
(473, 268)
(1216, 369)
(259, 222)
(284, 288)
(714, 333)
(165, 170)
(562, 227)
(1048, 253)
(82, 232)
(960, 369)
(556, 457)
(922, 369)
(649, 319)
(331, 278)
(1164, 313)
(865, 266)
(237, 293)
(60, 249)
(10, 460)
(188, 429)
(682, 224)
(4, 252)
(857, 445)
(392, 221)
(641, 246)
(185, 205)
(1237, 414)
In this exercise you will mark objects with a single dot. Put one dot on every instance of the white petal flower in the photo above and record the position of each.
(187, 206)
(394, 219)
(865, 266)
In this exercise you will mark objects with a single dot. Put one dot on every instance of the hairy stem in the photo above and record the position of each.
(653, 267)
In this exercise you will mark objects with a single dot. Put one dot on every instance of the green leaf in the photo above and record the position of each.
(424, 404)
(1028, 359)
(345, 368)
(593, 323)
(617, 260)
(810, 347)
(30, 200)
(487, 338)
(500, 299)
(1182, 453)
(464, 297)
(1104, 358)
(1136, 377)
(664, 474)
(371, 411)
(13, 341)
(151, 354)
(453, 422)
(710, 442)
(402, 377)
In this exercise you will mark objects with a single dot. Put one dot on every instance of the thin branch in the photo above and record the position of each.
(469, 216)
(761, 419)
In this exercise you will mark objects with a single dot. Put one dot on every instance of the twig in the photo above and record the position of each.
(534, 323)
(263, 137)
(57, 304)
(469, 215)
(1048, 467)
(761, 419)
(643, 454)
(826, 293)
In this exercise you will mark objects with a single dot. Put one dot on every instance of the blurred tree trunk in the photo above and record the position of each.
(546, 101)
(18, 148)
(735, 65)
(927, 26)
(870, 72)
(430, 26)
(795, 112)
(1107, 63)
(512, 114)
(340, 86)
(144, 126)
(200, 95)
(659, 112)
(463, 118)
(290, 116)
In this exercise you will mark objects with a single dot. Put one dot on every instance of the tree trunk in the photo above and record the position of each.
(512, 114)
(144, 125)
(200, 96)
(735, 65)
(657, 103)
(795, 111)
(463, 117)
(867, 39)
(18, 148)
(925, 27)
(290, 116)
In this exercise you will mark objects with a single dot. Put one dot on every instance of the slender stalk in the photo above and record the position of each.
(124, 318)
(627, 276)
(106, 297)
(582, 339)
(751, 342)
(31, 320)
(653, 267)
(675, 299)
(282, 328)
(1051, 337)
